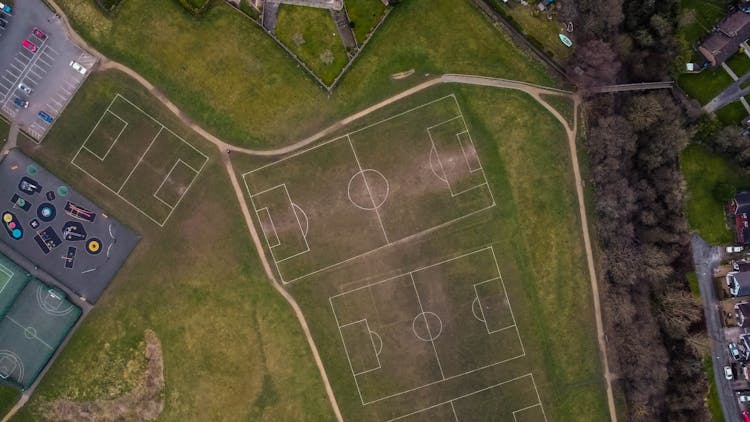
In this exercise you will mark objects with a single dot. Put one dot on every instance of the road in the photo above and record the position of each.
(705, 258)
(226, 149)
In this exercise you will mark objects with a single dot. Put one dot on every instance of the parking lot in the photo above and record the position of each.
(38, 61)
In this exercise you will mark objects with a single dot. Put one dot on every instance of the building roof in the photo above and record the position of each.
(740, 283)
(742, 200)
(726, 38)
(743, 314)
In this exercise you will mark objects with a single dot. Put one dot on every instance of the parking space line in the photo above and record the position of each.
(40, 60)
(11, 82)
(14, 66)
(35, 74)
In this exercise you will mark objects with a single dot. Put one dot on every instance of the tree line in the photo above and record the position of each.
(654, 324)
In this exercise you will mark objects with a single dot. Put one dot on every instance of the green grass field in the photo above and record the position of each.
(705, 85)
(698, 17)
(739, 63)
(252, 93)
(4, 129)
(563, 104)
(703, 171)
(311, 34)
(232, 348)
(8, 397)
(535, 233)
(732, 113)
(538, 27)
(365, 14)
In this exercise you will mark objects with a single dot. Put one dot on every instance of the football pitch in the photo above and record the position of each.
(409, 229)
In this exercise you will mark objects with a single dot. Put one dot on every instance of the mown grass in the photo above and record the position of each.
(563, 104)
(698, 17)
(732, 113)
(311, 34)
(241, 86)
(536, 234)
(8, 397)
(364, 14)
(713, 401)
(538, 27)
(4, 130)
(704, 171)
(692, 279)
(739, 63)
(232, 348)
(705, 85)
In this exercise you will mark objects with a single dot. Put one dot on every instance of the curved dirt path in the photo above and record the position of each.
(225, 148)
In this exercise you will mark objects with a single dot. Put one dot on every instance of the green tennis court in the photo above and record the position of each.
(32, 330)
(12, 280)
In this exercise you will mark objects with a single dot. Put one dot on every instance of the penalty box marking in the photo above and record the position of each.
(501, 284)
(455, 399)
(163, 222)
(375, 349)
(169, 174)
(117, 138)
(293, 207)
(442, 167)
(347, 136)
(444, 378)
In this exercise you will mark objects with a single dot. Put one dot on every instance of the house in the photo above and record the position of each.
(726, 38)
(739, 207)
(739, 283)
(742, 311)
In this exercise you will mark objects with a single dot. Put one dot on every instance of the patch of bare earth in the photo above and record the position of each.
(144, 402)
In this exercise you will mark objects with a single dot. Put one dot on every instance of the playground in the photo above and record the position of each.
(59, 230)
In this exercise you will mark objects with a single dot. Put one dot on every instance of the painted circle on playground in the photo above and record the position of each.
(12, 225)
(427, 326)
(16, 234)
(10, 363)
(7, 217)
(46, 212)
(62, 191)
(29, 332)
(368, 189)
(31, 169)
(21, 202)
(94, 246)
(52, 302)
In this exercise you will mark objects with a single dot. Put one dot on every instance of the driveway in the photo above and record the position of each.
(706, 258)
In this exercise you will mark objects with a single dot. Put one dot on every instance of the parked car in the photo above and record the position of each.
(25, 88)
(21, 102)
(743, 396)
(745, 416)
(46, 117)
(5, 8)
(734, 351)
(3, 24)
(728, 372)
(77, 67)
(29, 46)
(39, 34)
(734, 249)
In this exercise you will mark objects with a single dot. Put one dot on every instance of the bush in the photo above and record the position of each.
(109, 7)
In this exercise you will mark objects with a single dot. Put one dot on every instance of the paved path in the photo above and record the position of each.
(534, 90)
(705, 259)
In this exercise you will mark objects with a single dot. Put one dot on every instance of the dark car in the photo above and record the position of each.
(2, 24)
(21, 103)
(39, 34)
(46, 117)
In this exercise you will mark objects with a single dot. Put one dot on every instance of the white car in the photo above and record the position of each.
(728, 372)
(77, 67)
(25, 88)
(734, 249)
